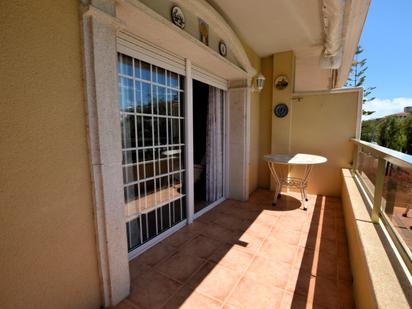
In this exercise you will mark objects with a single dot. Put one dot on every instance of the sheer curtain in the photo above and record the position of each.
(214, 145)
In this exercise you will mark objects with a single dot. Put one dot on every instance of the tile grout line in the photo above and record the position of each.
(206, 261)
(242, 274)
(184, 284)
(295, 258)
(296, 255)
(250, 263)
(178, 248)
(317, 246)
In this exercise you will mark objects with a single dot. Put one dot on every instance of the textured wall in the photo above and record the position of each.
(254, 125)
(362, 287)
(163, 8)
(324, 124)
(47, 243)
(319, 123)
(265, 122)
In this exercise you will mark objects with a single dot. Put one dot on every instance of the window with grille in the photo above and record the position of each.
(152, 119)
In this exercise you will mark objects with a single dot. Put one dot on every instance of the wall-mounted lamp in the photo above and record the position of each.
(258, 82)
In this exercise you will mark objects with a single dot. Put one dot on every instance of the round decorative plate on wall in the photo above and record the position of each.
(222, 48)
(281, 82)
(281, 110)
(177, 17)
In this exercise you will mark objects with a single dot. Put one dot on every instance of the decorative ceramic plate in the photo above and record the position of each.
(281, 110)
(177, 17)
(281, 82)
(222, 49)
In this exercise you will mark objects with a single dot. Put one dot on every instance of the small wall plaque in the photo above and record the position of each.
(204, 32)
(281, 82)
(177, 17)
(281, 110)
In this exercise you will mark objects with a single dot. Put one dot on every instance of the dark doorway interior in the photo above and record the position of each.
(200, 105)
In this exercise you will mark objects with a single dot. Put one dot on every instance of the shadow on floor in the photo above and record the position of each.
(249, 255)
(324, 278)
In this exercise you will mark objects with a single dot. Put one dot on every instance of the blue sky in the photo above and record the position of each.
(387, 44)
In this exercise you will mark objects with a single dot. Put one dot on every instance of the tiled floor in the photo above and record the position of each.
(250, 255)
(403, 224)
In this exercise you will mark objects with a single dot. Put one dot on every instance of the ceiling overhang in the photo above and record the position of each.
(354, 19)
(144, 23)
(323, 34)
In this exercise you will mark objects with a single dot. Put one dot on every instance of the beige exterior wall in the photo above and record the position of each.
(254, 124)
(324, 124)
(283, 64)
(47, 238)
(265, 122)
(319, 123)
(362, 287)
(163, 8)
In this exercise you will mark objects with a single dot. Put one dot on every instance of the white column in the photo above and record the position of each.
(189, 142)
(101, 93)
(239, 139)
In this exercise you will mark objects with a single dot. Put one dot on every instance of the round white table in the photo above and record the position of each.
(284, 180)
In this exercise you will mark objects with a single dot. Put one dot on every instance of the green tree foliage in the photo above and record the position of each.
(407, 129)
(357, 77)
(369, 131)
(391, 132)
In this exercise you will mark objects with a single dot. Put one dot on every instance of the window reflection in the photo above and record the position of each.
(127, 123)
(126, 95)
(151, 109)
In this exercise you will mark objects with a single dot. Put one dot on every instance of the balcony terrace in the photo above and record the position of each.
(101, 149)
(250, 255)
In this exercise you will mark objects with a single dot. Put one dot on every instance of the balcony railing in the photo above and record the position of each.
(385, 178)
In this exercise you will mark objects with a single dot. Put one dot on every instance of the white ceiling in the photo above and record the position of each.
(270, 26)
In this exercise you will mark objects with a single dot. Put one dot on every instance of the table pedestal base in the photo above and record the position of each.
(299, 183)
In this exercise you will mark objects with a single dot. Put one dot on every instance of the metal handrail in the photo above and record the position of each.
(397, 158)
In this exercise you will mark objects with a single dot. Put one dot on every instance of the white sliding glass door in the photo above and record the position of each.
(208, 146)
(152, 123)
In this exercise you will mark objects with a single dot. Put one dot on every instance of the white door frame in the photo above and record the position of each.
(100, 29)
(137, 48)
(190, 191)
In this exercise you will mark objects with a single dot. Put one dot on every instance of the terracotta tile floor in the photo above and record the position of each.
(250, 255)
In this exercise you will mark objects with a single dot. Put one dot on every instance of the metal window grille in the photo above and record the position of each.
(152, 125)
